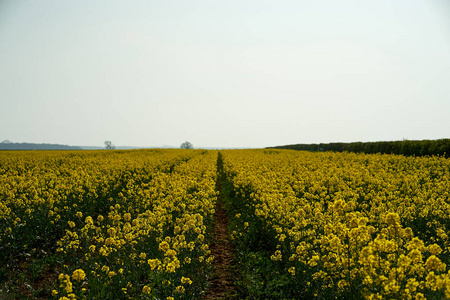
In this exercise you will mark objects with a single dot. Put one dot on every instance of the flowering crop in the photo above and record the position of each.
(326, 225)
(119, 224)
(137, 224)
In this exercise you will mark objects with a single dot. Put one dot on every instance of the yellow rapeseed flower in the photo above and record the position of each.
(186, 280)
(146, 289)
(78, 275)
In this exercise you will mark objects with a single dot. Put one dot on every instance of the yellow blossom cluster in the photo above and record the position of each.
(125, 222)
(151, 242)
(344, 224)
(41, 191)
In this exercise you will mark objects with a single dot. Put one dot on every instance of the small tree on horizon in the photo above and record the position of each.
(109, 145)
(187, 145)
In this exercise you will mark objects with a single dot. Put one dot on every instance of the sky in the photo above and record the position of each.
(223, 73)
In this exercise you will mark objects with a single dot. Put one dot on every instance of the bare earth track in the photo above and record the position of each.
(222, 283)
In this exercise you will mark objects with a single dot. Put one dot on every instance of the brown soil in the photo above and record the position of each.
(222, 283)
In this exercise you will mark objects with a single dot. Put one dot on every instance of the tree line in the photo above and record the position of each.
(7, 145)
(404, 147)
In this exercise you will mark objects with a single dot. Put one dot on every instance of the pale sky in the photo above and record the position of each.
(247, 73)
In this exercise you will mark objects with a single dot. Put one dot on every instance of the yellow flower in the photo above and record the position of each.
(415, 243)
(78, 275)
(368, 280)
(335, 244)
(146, 289)
(412, 284)
(89, 220)
(434, 249)
(68, 287)
(170, 252)
(276, 256)
(441, 233)
(314, 260)
(153, 263)
(415, 255)
(420, 296)
(112, 273)
(112, 232)
(129, 237)
(186, 280)
(392, 219)
(164, 246)
(434, 263)
(171, 267)
(342, 284)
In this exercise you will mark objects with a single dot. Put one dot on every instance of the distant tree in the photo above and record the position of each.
(187, 145)
(6, 142)
(109, 145)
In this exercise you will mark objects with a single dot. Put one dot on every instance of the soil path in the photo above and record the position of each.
(222, 283)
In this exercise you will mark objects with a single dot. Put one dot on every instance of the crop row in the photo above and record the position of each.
(106, 225)
(339, 225)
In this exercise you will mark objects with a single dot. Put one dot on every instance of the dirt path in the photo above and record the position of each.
(222, 283)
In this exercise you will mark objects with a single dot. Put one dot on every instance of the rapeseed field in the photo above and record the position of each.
(138, 224)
